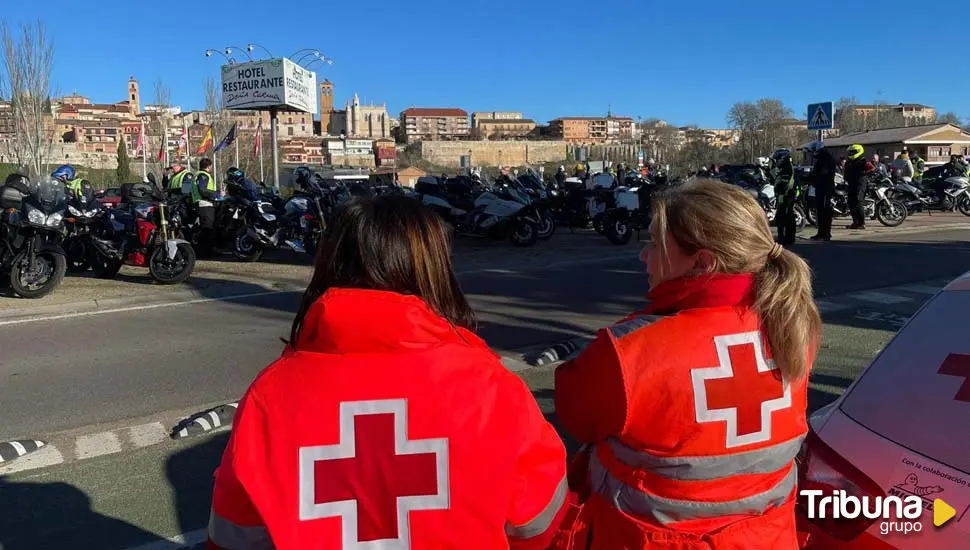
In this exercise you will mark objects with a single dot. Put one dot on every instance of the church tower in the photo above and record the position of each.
(326, 106)
(134, 101)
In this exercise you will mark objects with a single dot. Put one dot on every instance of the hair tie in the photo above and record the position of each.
(775, 252)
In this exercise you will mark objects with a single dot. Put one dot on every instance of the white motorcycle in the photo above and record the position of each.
(486, 215)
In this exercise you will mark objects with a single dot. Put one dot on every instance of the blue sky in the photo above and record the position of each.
(683, 61)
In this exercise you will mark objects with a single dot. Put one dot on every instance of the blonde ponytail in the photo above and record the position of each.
(726, 220)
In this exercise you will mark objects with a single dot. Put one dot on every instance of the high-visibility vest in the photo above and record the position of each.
(74, 186)
(210, 184)
(700, 436)
(175, 183)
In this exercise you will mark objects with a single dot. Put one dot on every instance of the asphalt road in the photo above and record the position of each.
(77, 375)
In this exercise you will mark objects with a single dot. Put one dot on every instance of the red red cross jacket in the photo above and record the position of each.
(390, 427)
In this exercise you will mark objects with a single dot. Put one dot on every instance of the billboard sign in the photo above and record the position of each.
(261, 85)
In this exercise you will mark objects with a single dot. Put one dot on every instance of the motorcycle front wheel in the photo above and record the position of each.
(523, 233)
(76, 253)
(246, 248)
(39, 278)
(175, 270)
(546, 227)
(618, 230)
(891, 214)
(102, 266)
(963, 205)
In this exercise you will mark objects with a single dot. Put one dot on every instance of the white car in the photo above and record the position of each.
(901, 429)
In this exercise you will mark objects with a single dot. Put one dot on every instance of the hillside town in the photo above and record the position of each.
(366, 136)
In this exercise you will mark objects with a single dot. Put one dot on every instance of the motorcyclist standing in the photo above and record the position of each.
(203, 195)
(239, 185)
(856, 170)
(823, 180)
(919, 166)
(179, 173)
(786, 193)
(903, 167)
(561, 176)
(72, 184)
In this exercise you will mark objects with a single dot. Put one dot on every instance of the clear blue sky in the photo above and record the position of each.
(683, 61)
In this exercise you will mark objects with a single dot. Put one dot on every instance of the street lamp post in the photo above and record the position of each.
(209, 52)
(252, 46)
(243, 50)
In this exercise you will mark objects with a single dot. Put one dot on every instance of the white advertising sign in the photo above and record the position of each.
(259, 85)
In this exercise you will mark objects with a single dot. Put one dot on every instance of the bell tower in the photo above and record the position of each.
(326, 106)
(134, 101)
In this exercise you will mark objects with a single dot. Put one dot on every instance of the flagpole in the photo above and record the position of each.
(144, 151)
(259, 137)
(165, 137)
(188, 152)
(237, 152)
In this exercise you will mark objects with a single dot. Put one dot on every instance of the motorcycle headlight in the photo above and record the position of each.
(91, 213)
(55, 219)
(36, 217)
(74, 211)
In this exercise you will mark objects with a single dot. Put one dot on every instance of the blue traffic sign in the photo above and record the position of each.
(820, 116)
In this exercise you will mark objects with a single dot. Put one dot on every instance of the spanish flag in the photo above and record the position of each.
(206, 143)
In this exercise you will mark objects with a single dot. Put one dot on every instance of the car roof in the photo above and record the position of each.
(916, 392)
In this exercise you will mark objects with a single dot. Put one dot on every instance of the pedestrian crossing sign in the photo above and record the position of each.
(820, 116)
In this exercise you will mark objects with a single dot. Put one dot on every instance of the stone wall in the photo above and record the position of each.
(491, 153)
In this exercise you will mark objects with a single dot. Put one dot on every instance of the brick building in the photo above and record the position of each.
(587, 130)
(433, 124)
(497, 128)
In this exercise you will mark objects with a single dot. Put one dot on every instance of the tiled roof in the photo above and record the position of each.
(886, 135)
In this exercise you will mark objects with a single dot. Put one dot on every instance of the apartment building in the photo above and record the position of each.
(587, 130)
(494, 115)
(434, 124)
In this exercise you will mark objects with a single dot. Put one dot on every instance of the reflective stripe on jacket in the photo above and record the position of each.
(388, 428)
(175, 183)
(694, 433)
(203, 180)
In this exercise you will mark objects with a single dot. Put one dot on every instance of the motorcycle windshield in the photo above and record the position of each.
(49, 195)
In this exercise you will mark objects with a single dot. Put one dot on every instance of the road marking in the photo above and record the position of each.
(826, 306)
(922, 289)
(43, 458)
(879, 297)
(77, 314)
(183, 540)
(96, 444)
(147, 434)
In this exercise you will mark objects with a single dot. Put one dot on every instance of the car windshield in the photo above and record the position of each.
(915, 393)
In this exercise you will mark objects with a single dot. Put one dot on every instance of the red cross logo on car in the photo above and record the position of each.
(375, 477)
(958, 364)
(742, 391)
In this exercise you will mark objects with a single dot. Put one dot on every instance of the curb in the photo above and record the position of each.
(558, 352)
(226, 292)
(205, 421)
(10, 450)
(850, 234)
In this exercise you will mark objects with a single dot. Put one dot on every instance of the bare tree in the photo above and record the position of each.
(949, 118)
(158, 126)
(28, 59)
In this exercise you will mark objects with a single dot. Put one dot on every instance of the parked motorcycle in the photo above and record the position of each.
(31, 232)
(880, 202)
(922, 197)
(476, 209)
(83, 212)
(542, 197)
(265, 224)
(143, 233)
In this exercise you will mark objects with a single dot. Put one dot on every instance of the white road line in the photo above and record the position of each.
(140, 308)
(183, 540)
(921, 289)
(879, 297)
(46, 456)
(96, 444)
(147, 434)
(826, 306)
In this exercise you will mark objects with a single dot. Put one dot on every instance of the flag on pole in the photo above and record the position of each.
(258, 144)
(183, 143)
(226, 141)
(206, 143)
(140, 144)
(161, 151)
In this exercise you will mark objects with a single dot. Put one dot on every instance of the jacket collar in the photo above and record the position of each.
(709, 290)
(353, 321)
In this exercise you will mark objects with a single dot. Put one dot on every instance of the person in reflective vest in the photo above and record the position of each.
(203, 194)
(175, 181)
(66, 174)
(694, 409)
(786, 194)
(387, 423)
(919, 166)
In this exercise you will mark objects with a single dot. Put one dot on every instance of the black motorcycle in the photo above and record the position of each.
(31, 231)
(83, 213)
(924, 197)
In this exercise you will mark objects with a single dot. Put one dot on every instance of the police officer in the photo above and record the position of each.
(919, 165)
(179, 173)
(823, 180)
(203, 195)
(856, 170)
(786, 193)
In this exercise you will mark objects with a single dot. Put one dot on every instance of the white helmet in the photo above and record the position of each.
(763, 162)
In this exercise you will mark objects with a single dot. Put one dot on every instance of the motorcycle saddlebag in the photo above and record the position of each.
(11, 197)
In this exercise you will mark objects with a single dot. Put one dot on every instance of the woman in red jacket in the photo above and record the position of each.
(387, 423)
(694, 408)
